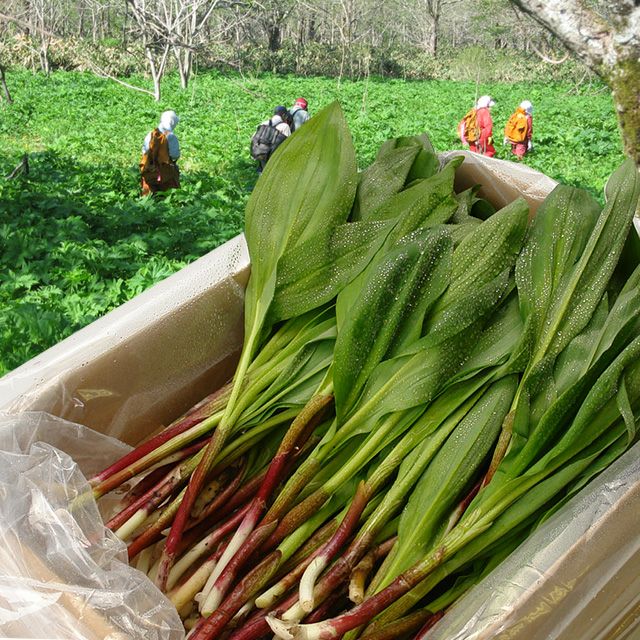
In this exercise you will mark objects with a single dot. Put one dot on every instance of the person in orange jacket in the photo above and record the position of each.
(519, 130)
(484, 144)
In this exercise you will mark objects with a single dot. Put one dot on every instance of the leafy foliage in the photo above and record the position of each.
(78, 240)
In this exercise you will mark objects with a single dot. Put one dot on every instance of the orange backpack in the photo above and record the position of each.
(517, 127)
(156, 168)
(468, 127)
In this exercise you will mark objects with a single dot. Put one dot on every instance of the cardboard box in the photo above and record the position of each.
(143, 364)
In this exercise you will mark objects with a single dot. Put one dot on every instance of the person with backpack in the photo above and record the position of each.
(476, 128)
(299, 113)
(519, 130)
(160, 152)
(269, 135)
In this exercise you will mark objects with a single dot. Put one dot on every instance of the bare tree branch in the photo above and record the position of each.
(101, 73)
(21, 167)
(545, 58)
(579, 28)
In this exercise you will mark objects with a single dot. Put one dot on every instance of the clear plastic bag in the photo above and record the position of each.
(62, 573)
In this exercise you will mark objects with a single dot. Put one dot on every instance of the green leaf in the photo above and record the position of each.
(424, 166)
(623, 319)
(396, 291)
(560, 298)
(416, 376)
(451, 473)
(488, 250)
(294, 201)
(381, 180)
(428, 204)
(421, 141)
(308, 277)
(496, 342)
(466, 200)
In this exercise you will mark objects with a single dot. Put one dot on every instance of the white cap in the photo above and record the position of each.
(484, 101)
(527, 106)
(168, 120)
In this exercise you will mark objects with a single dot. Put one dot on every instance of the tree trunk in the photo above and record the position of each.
(433, 39)
(44, 57)
(156, 88)
(5, 88)
(624, 81)
(21, 168)
(185, 66)
(184, 78)
(274, 36)
(124, 25)
(156, 74)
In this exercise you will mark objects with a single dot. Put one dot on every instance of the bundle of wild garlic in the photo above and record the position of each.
(421, 383)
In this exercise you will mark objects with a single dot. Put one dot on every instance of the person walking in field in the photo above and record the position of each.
(476, 128)
(160, 152)
(269, 135)
(299, 113)
(484, 145)
(519, 130)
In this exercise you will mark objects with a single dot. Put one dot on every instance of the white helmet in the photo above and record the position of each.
(527, 106)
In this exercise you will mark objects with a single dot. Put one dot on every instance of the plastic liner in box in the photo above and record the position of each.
(501, 181)
(136, 368)
(577, 577)
(63, 575)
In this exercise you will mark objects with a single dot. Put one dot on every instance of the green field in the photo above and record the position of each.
(77, 240)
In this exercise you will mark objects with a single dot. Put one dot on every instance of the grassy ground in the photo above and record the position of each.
(78, 240)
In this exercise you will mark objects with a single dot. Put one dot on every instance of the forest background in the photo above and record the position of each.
(83, 81)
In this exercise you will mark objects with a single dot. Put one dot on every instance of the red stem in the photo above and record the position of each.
(363, 568)
(377, 603)
(224, 502)
(295, 438)
(255, 627)
(324, 610)
(155, 495)
(153, 533)
(297, 516)
(222, 530)
(316, 540)
(349, 522)
(400, 627)
(292, 578)
(198, 478)
(148, 482)
(196, 414)
(429, 625)
(245, 589)
(462, 506)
